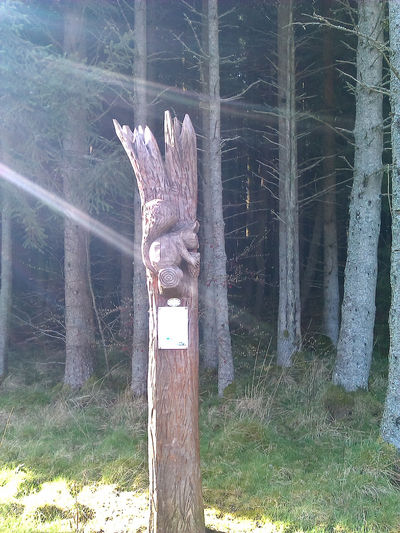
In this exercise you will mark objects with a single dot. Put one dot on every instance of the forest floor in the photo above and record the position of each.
(284, 451)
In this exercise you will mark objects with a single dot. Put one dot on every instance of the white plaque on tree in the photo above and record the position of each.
(173, 328)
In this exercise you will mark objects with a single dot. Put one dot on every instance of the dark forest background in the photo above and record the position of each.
(38, 84)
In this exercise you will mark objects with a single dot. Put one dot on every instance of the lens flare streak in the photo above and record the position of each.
(59, 205)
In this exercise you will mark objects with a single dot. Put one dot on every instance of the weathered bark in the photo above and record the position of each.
(219, 281)
(206, 291)
(330, 314)
(169, 248)
(79, 323)
(6, 282)
(391, 416)
(140, 300)
(289, 333)
(354, 349)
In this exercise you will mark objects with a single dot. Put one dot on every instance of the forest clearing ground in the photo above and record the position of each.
(284, 451)
(95, 508)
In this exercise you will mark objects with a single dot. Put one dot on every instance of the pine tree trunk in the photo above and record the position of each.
(289, 333)
(169, 249)
(126, 288)
(255, 233)
(79, 323)
(354, 349)
(331, 280)
(391, 415)
(312, 257)
(140, 299)
(259, 300)
(6, 282)
(126, 277)
(206, 289)
(219, 281)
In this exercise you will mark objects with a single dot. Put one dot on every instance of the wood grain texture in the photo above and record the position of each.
(169, 203)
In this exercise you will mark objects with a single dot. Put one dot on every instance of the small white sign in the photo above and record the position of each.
(173, 328)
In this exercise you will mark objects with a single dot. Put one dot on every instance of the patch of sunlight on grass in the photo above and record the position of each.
(228, 523)
(115, 510)
(10, 481)
(61, 506)
(52, 493)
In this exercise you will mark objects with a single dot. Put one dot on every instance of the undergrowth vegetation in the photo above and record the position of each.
(283, 451)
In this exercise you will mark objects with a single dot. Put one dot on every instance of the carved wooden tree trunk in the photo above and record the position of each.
(168, 194)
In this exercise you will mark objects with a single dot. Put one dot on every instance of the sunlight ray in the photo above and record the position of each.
(237, 106)
(59, 205)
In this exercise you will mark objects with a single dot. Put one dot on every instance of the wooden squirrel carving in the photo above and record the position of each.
(169, 247)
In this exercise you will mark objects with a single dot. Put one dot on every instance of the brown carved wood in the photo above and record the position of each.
(168, 191)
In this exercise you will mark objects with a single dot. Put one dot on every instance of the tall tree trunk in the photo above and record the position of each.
(255, 233)
(79, 323)
(391, 415)
(331, 280)
(6, 282)
(140, 346)
(261, 221)
(354, 350)
(206, 289)
(289, 333)
(219, 282)
(312, 257)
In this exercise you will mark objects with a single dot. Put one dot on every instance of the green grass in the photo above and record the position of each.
(283, 451)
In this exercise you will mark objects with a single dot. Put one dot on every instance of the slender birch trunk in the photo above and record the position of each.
(391, 416)
(330, 314)
(289, 333)
(354, 350)
(140, 346)
(219, 281)
(79, 322)
(6, 282)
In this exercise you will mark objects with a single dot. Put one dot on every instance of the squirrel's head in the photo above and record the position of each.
(189, 236)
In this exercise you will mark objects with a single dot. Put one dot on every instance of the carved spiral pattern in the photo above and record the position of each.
(170, 277)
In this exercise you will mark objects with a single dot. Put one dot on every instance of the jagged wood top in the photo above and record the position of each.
(174, 180)
(145, 157)
(181, 163)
